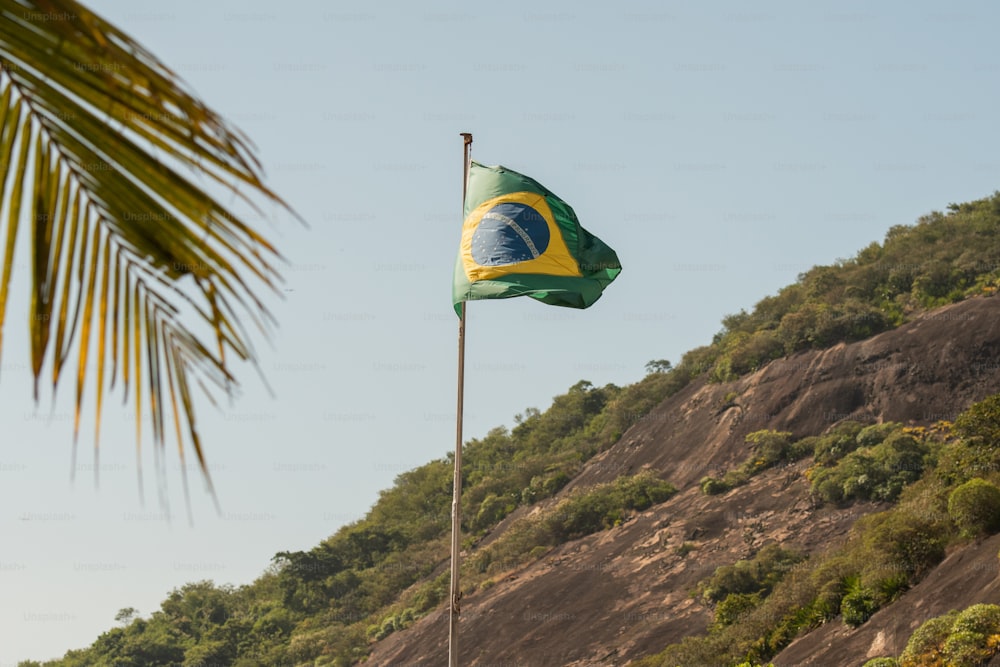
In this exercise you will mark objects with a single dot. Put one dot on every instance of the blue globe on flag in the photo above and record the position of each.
(509, 233)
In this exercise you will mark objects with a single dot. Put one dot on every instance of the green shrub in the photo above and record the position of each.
(903, 542)
(431, 593)
(876, 433)
(761, 347)
(744, 353)
(858, 606)
(975, 508)
(491, 510)
(959, 639)
(827, 486)
(966, 459)
(879, 472)
(830, 579)
(540, 487)
(832, 446)
(926, 643)
(756, 575)
(739, 477)
(712, 487)
(882, 662)
(963, 648)
(734, 607)
(769, 447)
(383, 630)
(981, 420)
(739, 578)
(982, 619)
(891, 587)
(973, 635)
(642, 491)
(555, 482)
(538, 552)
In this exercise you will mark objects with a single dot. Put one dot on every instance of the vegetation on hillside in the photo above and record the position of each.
(580, 513)
(943, 258)
(953, 500)
(377, 575)
(325, 606)
(852, 461)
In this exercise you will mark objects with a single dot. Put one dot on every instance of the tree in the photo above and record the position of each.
(658, 366)
(107, 165)
(126, 614)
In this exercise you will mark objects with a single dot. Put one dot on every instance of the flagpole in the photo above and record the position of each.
(456, 503)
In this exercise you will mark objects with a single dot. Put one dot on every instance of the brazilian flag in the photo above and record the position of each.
(520, 239)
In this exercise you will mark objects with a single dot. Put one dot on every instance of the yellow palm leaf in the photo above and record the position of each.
(101, 151)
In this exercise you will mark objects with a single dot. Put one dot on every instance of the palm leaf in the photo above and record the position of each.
(107, 150)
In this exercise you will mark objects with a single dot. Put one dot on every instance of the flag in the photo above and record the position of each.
(519, 239)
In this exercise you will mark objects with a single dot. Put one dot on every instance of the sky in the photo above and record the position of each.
(720, 148)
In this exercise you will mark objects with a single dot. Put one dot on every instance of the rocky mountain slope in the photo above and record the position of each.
(624, 593)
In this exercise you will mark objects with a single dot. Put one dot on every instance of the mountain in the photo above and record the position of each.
(819, 485)
(625, 593)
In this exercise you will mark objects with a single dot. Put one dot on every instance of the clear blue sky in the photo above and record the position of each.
(720, 148)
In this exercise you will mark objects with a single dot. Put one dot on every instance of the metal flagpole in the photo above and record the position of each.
(456, 513)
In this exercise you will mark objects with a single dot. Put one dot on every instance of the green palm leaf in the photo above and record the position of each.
(101, 152)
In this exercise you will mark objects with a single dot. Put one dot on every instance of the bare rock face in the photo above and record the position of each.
(625, 593)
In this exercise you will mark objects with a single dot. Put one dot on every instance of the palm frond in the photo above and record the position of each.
(104, 148)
